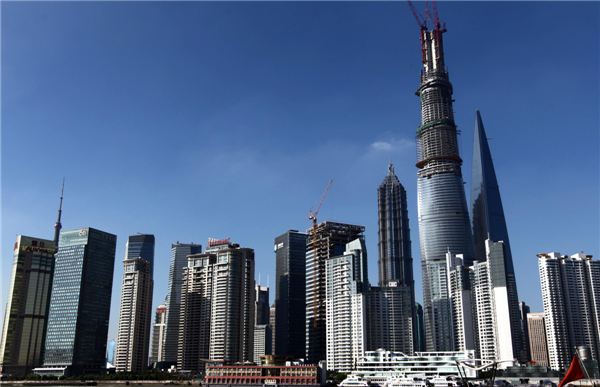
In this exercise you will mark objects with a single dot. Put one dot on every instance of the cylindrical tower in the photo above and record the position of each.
(444, 223)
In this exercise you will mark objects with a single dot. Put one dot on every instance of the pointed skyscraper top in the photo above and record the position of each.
(487, 214)
(391, 167)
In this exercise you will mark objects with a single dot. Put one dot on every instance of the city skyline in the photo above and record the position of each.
(325, 103)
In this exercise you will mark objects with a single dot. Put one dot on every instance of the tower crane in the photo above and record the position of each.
(313, 216)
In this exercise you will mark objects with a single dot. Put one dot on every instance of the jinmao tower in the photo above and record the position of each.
(444, 223)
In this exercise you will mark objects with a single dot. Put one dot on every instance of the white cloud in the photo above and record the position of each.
(391, 145)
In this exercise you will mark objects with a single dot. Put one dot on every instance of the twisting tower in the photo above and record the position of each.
(444, 223)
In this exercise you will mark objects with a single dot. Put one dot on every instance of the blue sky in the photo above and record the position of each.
(197, 120)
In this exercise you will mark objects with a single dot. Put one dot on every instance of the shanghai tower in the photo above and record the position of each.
(444, 224)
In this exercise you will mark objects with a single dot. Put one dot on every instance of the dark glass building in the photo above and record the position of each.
(179, 253)
(290, 294)
(141, 246)
(489, 223)
(444, 223)
(395, 256)
(80, 303)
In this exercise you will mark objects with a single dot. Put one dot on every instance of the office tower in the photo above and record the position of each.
(290, 295)
(346, 294)
(179, 253)
(523, 311)
(395, 267)
(538, 347)
(110, 352)
(261, 305)
(443, 216)
(217, 306)
(158, 332)
(26, 314)
(459, 282)
(395, 256)
(80, 303)
(329, 241)
(571, 296)
(135, 316)
(262, 342)
(420, 329)
(272, 326)
(489, 223)
(390, 318)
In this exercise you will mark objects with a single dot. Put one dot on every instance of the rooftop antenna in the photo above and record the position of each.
(259, 279)
(58, 226)
(268, 277)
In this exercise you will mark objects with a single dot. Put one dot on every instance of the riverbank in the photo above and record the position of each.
(117, 383)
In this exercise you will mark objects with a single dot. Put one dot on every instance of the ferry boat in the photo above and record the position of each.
(354, 381)
(406, 382)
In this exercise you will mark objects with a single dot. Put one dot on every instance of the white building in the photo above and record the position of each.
(378, 366)
(571, 296)
(158, 333)
(346, 286)
(262, 342)
(462, 309)
(135, 317)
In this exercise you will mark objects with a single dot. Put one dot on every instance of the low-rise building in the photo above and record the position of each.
(273, 370)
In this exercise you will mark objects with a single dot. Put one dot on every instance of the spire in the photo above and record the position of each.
(58, 226)
(391, 167)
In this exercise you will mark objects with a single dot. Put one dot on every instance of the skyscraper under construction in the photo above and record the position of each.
(444, 223)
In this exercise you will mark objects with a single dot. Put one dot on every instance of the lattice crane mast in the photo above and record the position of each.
(313, 216)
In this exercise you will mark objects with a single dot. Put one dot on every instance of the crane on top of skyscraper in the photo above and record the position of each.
(313, 217)
(422, 22)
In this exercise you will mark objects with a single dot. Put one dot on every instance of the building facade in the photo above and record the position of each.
(80, 303)
(489, 223)
(26, 316)
(443, 215)
(459, 282)
(329, 241)
(135, 316)
(179, 253)
(524, 310)
(217, 307)
(110, 352)
(390, 318)
(261, 305)
(395, 271)
(262, 342)
(570, 292)
(538, 347)
(289, 336)
(346, 294)
(158, 333)
(272, 311)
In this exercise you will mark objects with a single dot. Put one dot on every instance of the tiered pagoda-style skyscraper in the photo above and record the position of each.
(444, 223)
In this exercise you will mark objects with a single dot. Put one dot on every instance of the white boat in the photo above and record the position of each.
(354, 381)
(406, 382)
(441, 381)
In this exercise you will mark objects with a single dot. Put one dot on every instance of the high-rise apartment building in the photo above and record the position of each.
(390, 318)
(489, 223)
(158, 332)
(289, 327)
(420, 329)
(179, 253)
(217, 306)
(80, 303)
(391, 326)
(443, 215)
(135, 316)
(346, 293)
(571, 296)
(538, 347)
(459, 283)
(329, 241)
(26, 315)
